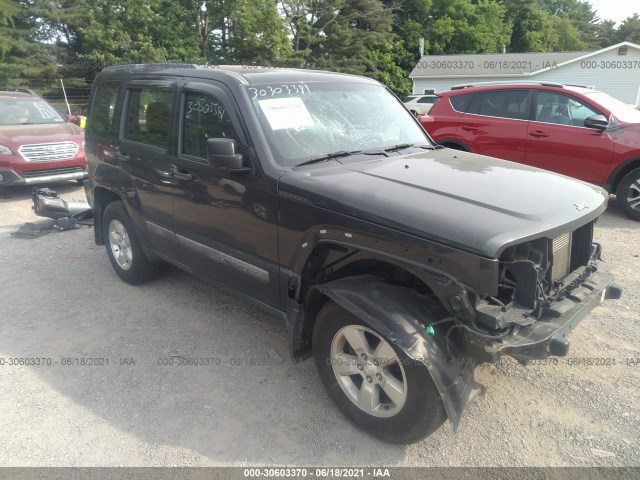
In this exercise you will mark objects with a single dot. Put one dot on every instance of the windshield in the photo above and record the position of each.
(27, 111)
(304, 121)
(620, 110)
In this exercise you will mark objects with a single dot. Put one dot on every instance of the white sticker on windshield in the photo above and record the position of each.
(288, 112)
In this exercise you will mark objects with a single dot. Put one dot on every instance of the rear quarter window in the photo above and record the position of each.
(101, 118)
(460, 103)
(513, 104)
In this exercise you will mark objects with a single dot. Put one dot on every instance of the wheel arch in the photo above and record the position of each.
(454, 144)
(101, 198)
(111, 184)
(401, 315)
(620, 171)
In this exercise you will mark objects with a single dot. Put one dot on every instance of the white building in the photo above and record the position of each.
(614, 70)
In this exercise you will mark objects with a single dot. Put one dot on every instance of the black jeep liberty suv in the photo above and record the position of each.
(397, 264)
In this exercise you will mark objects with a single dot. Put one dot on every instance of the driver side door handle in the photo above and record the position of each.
(178, 175)
(538, 134)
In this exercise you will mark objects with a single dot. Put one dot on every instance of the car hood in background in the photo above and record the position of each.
(15, 135)
(476, 203)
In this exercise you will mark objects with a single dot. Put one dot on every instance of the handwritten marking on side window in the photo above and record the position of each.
(203, 106)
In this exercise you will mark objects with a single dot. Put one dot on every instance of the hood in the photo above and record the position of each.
(16, 135)
(476, 203)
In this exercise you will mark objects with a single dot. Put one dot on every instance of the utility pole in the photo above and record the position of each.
(202, 23)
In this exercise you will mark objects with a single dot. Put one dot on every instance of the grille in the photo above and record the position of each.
(561, 250)
(48, 152)
(51, 171)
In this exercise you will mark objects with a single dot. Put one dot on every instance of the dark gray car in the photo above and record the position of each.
(399, 265)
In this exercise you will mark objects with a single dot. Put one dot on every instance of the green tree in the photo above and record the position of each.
(606, 33)
(567, 36)
(465, 26)
(25, 57)
(629, 29)
(533, 28)
(100, 33)
(248, 31)
(7, 11)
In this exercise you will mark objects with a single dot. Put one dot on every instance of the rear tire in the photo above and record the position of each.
(387, 394)
(123, 247)
(628, 194)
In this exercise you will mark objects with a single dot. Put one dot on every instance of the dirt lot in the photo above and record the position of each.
(62, 301)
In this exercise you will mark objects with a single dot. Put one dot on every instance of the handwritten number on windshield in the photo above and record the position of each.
(286, 88)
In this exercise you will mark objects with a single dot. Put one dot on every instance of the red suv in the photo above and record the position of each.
(573, 130)
(37, 144)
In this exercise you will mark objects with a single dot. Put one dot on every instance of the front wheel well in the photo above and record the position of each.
(101, 198)
(388, 272)
(454, 146)
(622, 170)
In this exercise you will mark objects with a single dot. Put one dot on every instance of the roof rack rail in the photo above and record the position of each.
(19, 90)
(592, 87)
(543, 83)
(148, 66)
(482, 84)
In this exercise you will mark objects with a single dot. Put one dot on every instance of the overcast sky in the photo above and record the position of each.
(616, 10)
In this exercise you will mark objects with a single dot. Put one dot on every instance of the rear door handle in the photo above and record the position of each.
(469, 128)
(538, 134)
(178, 175)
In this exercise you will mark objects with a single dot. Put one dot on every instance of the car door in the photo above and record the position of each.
(226, 222)
(557, 139)
(145, 153)
(495, 123)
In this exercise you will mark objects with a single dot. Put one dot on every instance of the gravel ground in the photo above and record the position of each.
(62, 300)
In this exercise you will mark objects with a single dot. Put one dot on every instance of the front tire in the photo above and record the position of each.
(628, 194)
(372, 382)
(123, 247)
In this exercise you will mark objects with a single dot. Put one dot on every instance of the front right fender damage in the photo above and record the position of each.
(402, 315)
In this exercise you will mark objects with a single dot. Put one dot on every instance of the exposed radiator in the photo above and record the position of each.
(561, 251)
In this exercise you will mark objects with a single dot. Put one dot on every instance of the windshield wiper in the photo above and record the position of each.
(373, 151)
(329, 156)
(402, 146)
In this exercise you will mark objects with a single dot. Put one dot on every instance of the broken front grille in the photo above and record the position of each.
(48, 152)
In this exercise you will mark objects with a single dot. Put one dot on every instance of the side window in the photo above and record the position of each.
(427, 100)
(149, 116)
(502, 103)
(461, 102)
(204, 117)
(103, 108)
(552, 107)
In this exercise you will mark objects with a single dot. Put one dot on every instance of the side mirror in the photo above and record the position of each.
(221, 153)
(599, 122)
(72, 118)
(426, 119)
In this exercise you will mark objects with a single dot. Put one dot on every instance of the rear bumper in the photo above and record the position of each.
(10, 177)
(548, 336)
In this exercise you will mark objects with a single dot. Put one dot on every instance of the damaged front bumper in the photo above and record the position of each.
(548, 335)
(47, 203)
